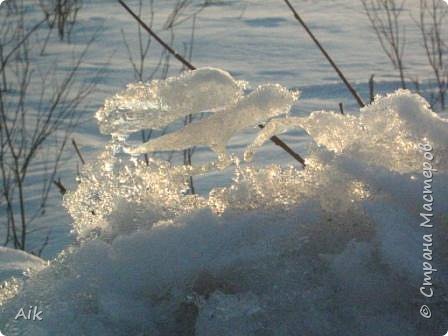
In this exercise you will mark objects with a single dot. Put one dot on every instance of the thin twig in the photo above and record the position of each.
(75, 145)
(327, 56)
(372, 88)
(341, 107)
(384, 17)
(45, 244)
(20, 43)
(157, 38)
(61, 187)
(276, 140)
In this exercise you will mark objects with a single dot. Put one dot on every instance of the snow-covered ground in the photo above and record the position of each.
(332, 250)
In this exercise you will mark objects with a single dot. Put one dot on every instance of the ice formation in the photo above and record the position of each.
(334, 249)
(151, 192)
(265, 102)
(158, 103)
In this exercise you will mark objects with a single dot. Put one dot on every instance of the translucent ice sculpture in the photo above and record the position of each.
(160, 102)
(264, 102)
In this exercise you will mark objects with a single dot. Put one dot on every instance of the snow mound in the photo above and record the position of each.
(14, 263)
(15, 266)
(334, 249)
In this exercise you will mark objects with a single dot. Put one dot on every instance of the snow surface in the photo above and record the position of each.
(329, 250)
(14, 263)
(15, 267)
(265, 249)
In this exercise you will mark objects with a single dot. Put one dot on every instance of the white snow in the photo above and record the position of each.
(15, 267)
(14, 263)
(329, 250)
(334, 249)
(395, 123)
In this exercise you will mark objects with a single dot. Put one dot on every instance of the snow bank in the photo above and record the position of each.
(334, 249)
(15, 266)
(14, 263)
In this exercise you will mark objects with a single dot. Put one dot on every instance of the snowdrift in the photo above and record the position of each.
(334, 249)
(13, 263)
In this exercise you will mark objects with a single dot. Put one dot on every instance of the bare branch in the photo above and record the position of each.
(384, 17)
